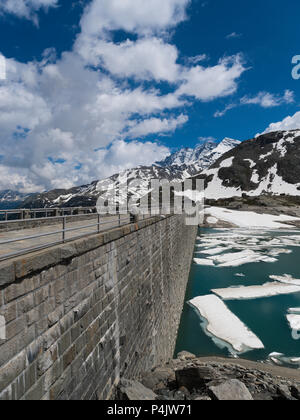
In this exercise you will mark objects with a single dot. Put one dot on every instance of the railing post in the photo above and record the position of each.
(64, 230)
(119, 219)
(98, 223)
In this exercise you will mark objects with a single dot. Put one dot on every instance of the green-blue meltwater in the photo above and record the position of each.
(266, 316)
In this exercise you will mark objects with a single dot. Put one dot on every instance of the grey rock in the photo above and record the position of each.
(134, 391)
(231, 390)
(153, 380)
(295, 391)
(284, 393)
(185, 355)
(195, 377)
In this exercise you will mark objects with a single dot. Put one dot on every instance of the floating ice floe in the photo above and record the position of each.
(235, 259)
(295, 311)
(256, 292)
(279, 251)
(203, 261)
(294, 321)
(213, 251)
(240, 275)
(286, 279)
(224, 327)
(212, 220)
(280, 359)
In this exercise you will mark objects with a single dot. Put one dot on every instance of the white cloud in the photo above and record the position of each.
(80, 111)
(227, 108)
(196, 59)
(233, 35)
(213, 82)
(289, 123)
(138, 16)
(26, 8)
(145, 59)
(157, 125)
(263, 99)
(66, 111)
(269, 100)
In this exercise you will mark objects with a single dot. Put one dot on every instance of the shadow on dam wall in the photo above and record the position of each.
(79, 316)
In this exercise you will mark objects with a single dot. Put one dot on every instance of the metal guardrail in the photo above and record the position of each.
(24, 214)
(119, 220)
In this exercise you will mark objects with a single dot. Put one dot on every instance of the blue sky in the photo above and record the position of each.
(97, 86)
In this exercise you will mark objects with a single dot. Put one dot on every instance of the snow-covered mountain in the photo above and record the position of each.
(177, 167)
(11, 199)
(268, 164)
(201, 157)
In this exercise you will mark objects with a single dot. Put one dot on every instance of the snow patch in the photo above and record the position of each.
(248, 219)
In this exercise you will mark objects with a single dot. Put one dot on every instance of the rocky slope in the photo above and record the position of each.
(188, 378)
(177, 167)
(266, 165)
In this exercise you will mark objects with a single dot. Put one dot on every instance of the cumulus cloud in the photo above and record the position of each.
(26, 8)
(57, 117)
(208, 83)
(145, 59)
(288, 123)
(138, 16)
(157, 125)
(70, 120)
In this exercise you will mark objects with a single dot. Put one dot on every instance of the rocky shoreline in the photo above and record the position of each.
(191, 378)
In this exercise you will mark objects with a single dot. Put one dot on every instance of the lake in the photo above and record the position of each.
(265, 317)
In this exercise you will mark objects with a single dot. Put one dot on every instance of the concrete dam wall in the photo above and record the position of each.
(76, 317)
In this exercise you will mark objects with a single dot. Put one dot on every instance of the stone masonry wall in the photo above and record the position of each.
(80, 315)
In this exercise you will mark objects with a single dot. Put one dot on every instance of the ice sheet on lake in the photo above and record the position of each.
(280, 359)
(226, 329)
(256, 292)
(294, 321)
(203, 261)
(294, 311)
(286, 279)
(237, 259)
(213, 251)
(227, 248)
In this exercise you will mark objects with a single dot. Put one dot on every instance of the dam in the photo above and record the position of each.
(79, 313)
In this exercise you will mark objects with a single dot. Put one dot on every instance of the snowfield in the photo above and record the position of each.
(248, 219)
(226, 329)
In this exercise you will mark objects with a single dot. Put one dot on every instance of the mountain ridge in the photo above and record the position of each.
(193, 162)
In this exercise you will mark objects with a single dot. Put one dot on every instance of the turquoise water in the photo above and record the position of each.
(266, 317)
